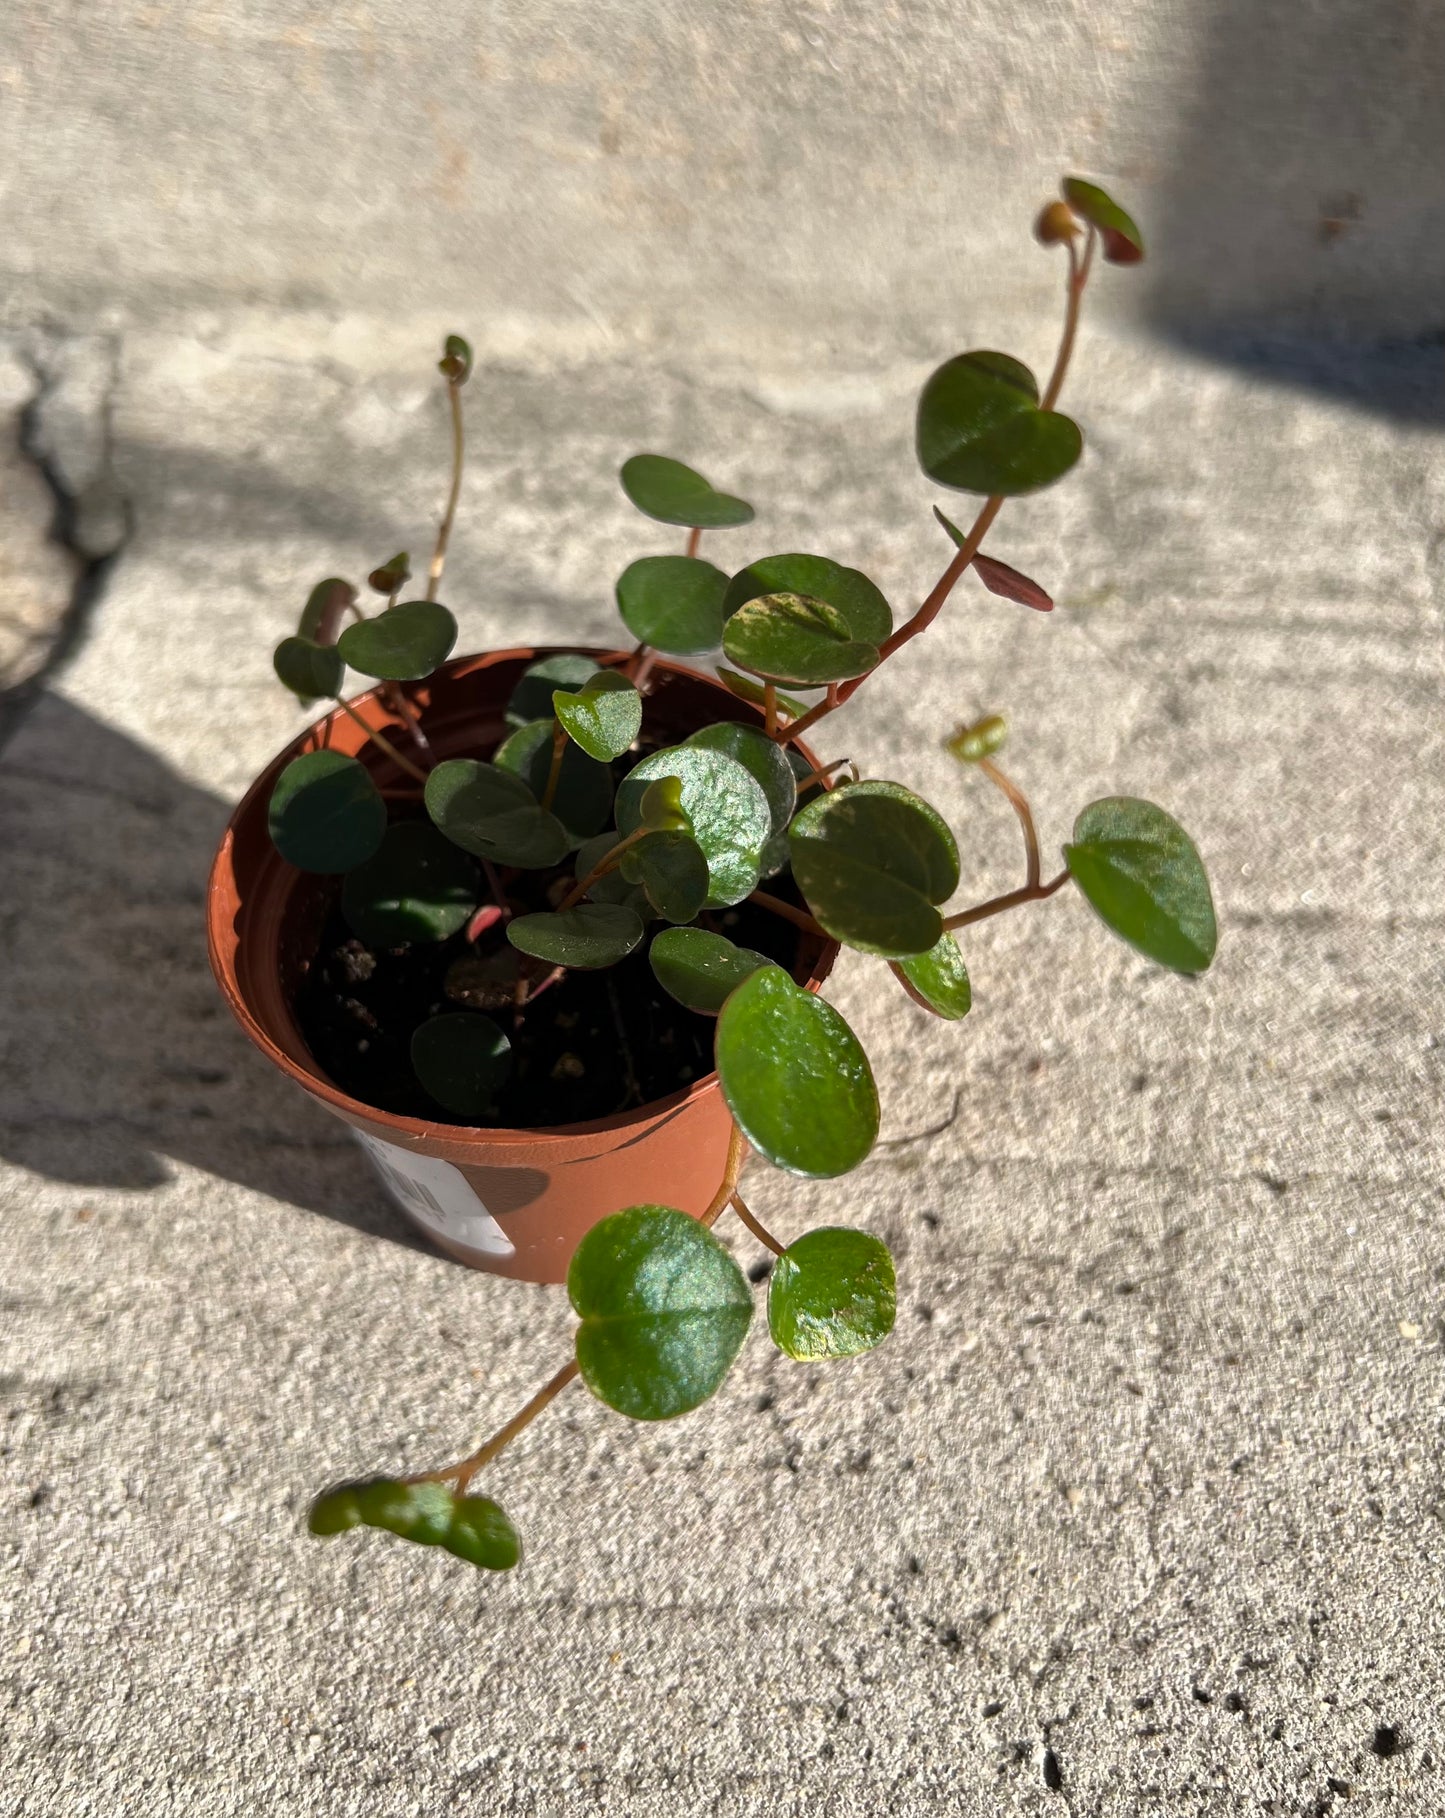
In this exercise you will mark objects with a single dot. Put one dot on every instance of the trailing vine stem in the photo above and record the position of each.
(444, 529)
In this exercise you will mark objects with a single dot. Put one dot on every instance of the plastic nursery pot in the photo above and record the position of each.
(514, 1202)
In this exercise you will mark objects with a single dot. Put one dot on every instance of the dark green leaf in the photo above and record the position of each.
(325, 813)
(455, 365)
(762, 757)
(416, 887)
(671, 868)
(747, 688)
(325, 608)
(971, 744)
(864, 611)
(726, 810)
(674, 603)
(604, 716)
(493, 814)
(587, 937)
(699, 969)
(980, 428)
(664, 1311)
(1140, 871)
(401, 644)
(795, 1077)
(430, 1514)
(872, 859)
(310, 671)
(787, 637)
(940, 978)
(583, 801)
(1123, 244)
(673, 494)
(532, 697)
(461, 1058)
(832, 1294)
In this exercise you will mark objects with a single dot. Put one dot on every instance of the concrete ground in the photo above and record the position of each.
(1139, 1510)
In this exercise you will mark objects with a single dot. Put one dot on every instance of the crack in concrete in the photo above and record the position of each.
(92, 517)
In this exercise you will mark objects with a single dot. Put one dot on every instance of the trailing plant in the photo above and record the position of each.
(577, 840)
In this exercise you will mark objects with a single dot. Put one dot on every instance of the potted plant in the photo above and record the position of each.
(547, 927)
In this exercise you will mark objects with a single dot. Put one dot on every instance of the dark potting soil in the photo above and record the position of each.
(591, 1045)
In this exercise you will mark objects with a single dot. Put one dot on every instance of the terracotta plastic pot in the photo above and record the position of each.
(515, 1202)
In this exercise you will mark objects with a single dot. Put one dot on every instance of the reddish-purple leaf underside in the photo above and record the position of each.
(999, 578)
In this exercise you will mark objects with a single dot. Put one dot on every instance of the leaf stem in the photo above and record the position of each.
(1019, 802)
(799, 917)
(737, 1155)
(462, 1473)
(385, 743)
(694, 537)
(1030, 893)
(608, 862)
(554, 774)
(444, 529)
(763, 1235)
(402, 707)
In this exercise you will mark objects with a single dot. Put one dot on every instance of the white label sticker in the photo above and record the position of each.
(436, 1195)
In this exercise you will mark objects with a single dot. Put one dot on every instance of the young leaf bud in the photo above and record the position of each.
(392, 576)
(455, 365)
(1057, 223)
(980, 740)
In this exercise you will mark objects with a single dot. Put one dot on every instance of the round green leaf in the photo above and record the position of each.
(401, 644)
(672, 870)
(586, 937)
(532, 697)
(493, 814)
(786, 637)
(311, 671)
(583, 801)
(604, 716)
(872, 859)
(765, 759)
(726, 810)
(664, 1311)
(1123, 244)
(940, 978)
(1140, 871)
(748, 688)
(429, 1514)
(461, 1058)
(325, 813)
(701, 970)
(832, 1294)
(674, 603)
(417, 886)
(795, 1077)
(327, 604)
(980, 428)
(673, 494)
(864, 610)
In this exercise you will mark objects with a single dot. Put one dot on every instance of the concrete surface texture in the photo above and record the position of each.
(1139, 1510)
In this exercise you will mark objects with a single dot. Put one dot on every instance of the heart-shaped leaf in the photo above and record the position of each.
(583, 801)
(764, 759)
(848, 591)
(1123, 244)
(327, 605)
(980, 428)
(494, 814)
(325, 813)
(997, 576)
(401, 644)
(701, 970)
(674, 603)
(747, 688)
(664, 1311)
(587, 937)
(461, 1058)
(726, 810)
(938, 979)
(672, 870)
(873, 859)
(832, 1294)
(392, 576)
(604, 716)
(673, 494)
(787, 637)
(1140, 871)
(795, 1077)
(612, 886)
(430, 1514)
(532, 697)
(311, 671)
(417, 886)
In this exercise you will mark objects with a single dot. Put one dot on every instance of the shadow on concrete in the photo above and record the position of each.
(1301, 231)
(117, 1055)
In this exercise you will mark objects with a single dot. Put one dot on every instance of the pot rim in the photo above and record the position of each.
(413, 1130)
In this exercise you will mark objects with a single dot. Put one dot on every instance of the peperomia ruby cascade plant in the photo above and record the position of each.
(577, 841)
